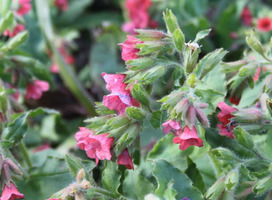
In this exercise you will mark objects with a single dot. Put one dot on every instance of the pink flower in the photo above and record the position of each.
(246, 16)
(171, 126)
(120, 97)
(225, 117)
(264, 24)
(125, 159)
(25, 7)
(2, 117)
(41, 148)
(18, 28)
(53, 199)
(188, 138)
(61, 4)
(11, 193)
(138, 14)
(96, 146)
(34, 90)
(129, 51)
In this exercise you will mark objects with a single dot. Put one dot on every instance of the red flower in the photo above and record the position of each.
(120, 97)
(246, 16)
(234, 100)
(225, 117)
(264, 24)
(188, 138)
(25, 7)
(11, 193)
(171, 126)
(125, 159)
(96, 146)
(34, 90)
(18, 28)
(61, 4)
(129, 51)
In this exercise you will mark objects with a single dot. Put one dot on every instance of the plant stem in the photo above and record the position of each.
(25, 154)
(66, 73)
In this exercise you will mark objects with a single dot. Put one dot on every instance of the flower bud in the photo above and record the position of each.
(243, 138)
(254, 43)
(202, 118)
(216, 189)
(13, 166)
(6, 178)
(85, 184)
(150, 35)
(223, 154)
(182, 107)
(149, 47)
(170, 21)
(80, 196)
(248, 115)
(231, 179)
(1, 162)
(263, 185)
(191, 116)
(80, 175)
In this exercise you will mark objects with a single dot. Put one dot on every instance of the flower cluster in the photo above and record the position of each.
(139, 16)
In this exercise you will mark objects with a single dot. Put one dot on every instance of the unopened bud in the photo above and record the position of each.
(216, 189)
(248, 115)
(223, 154)
(85, 184)
(231, 179)
(80, 196)
(202, 118)
(182, 107)
(139, 93)
(263, 186)
(15, 77)
(202, 105)
(13, 166)
(150, 35)
(1, 161)
(149, 47)
(191, 116)
(6, 174)
(80, 175)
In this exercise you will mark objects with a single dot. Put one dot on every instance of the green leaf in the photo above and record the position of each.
(15, 42)
(195, 176)
(209, 61)
(111, 177)
(16, 130)
(179, 39)
(243, 138)
(6, 21)
(165, 172)
(74, 164)
(135, 186)
(156, 119)
(170, 192)
(202, 34)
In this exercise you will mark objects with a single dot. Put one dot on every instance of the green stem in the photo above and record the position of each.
(25, 154)
(66, 73)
